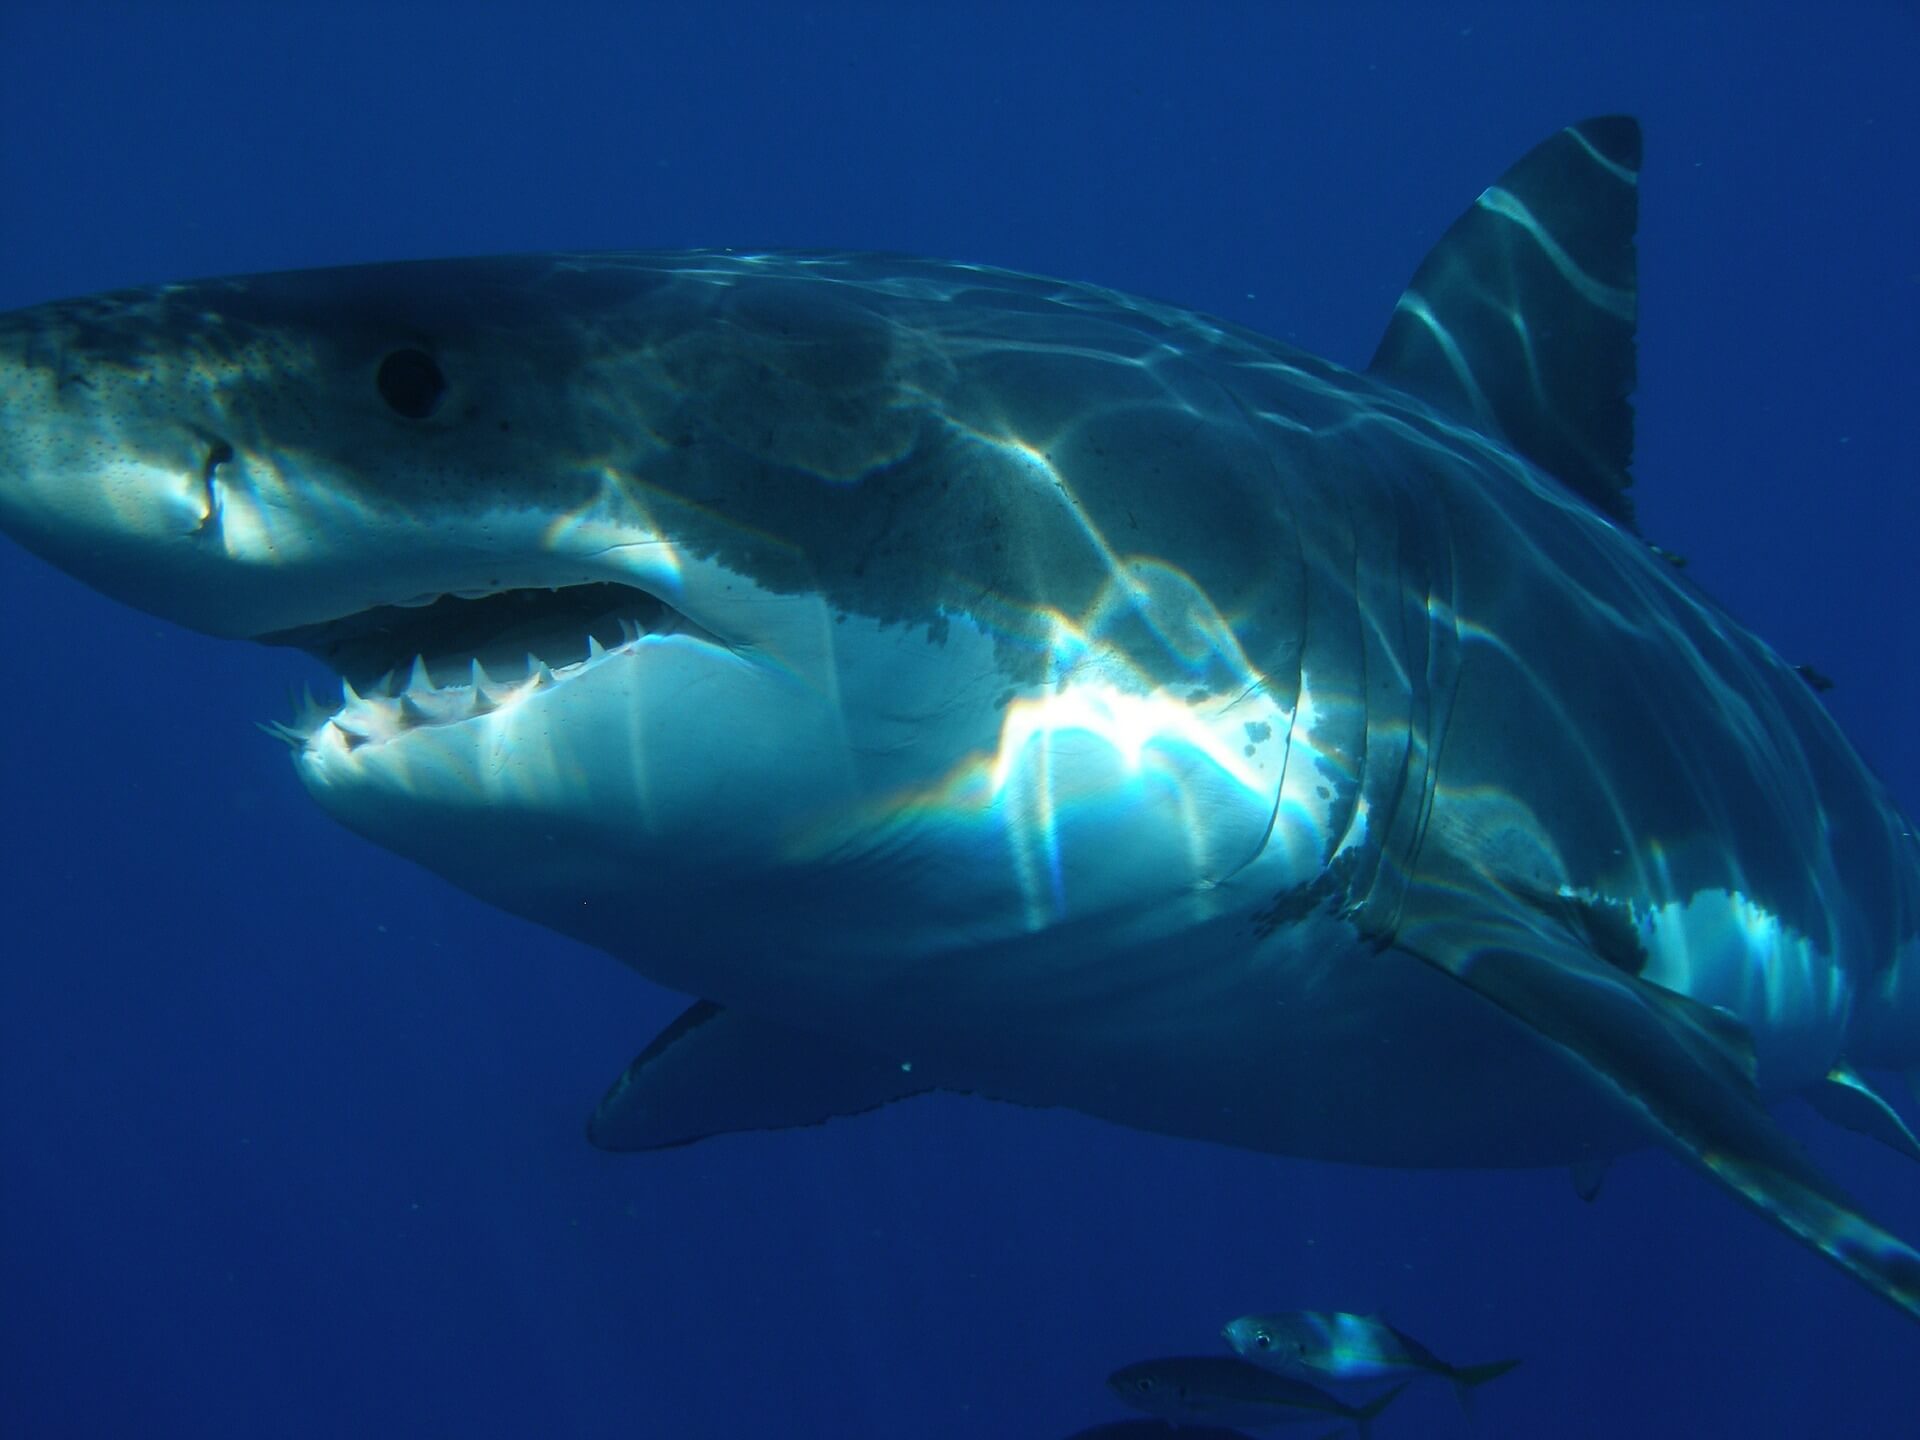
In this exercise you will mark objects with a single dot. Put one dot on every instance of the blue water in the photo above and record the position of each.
(290, 1133)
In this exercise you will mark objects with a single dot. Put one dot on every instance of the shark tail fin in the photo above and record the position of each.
(1468, 1378)
(1364, 1415)
(1520, 322)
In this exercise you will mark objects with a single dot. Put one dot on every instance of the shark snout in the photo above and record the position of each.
(107, 485)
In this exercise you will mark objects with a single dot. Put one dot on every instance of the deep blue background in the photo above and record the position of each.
(290, 1133)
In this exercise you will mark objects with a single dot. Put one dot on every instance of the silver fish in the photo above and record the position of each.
(1321, 1345)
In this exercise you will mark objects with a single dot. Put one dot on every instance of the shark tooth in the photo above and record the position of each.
(417, 676)
(480, 702)
(412, 712)
(595, 650)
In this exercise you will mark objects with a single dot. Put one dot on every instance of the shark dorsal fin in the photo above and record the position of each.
(1521, 320)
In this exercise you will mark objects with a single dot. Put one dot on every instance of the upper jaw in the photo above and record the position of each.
(453, 685)
(452, 657)
(447, 634)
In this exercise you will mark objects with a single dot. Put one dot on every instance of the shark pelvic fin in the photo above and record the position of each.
(715, 1072)
(1520, 322)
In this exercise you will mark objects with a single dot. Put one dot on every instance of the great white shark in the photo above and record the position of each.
(960, 679)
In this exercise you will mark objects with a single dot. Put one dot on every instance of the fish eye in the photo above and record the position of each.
(1262, 1340)
(1144, 1385)
(411, 383)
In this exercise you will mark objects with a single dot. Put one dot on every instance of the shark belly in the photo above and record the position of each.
(1317, 1045)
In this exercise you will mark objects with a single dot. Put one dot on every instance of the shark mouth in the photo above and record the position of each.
(454, 657)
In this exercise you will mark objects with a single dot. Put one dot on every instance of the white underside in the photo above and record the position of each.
(1050, 900)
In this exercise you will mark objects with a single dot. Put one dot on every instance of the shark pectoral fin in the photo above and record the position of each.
(715, 1072)
(1674, 1070)
(1520, 321)
(1849, 1102)
(1730, 1040)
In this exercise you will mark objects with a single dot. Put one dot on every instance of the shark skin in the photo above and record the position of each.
(960, 679)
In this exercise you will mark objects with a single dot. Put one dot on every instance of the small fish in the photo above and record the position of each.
(1333, 1345)
(1215, 1390)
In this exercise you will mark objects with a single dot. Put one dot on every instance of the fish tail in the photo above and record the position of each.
(1363, 1416)
(1467, 1377)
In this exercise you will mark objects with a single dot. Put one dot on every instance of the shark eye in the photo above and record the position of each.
(1263, 1340)
(411, 383)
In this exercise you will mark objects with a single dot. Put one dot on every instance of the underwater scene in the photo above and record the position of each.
(942, 721)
